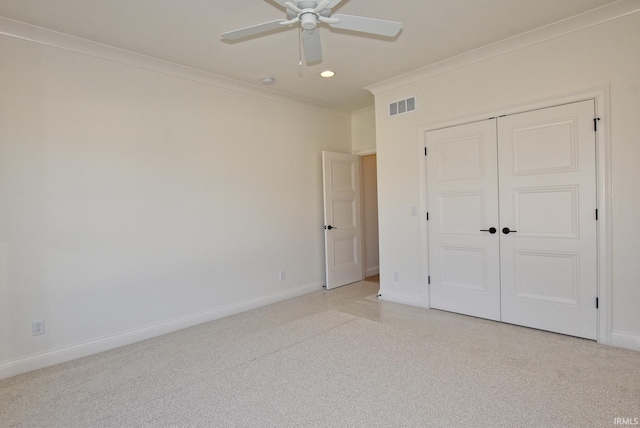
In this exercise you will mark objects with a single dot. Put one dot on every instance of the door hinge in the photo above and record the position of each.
(597, 303)
(425, 151)
(596, 214)
(595, 124)
(427, 215)
(429, 280)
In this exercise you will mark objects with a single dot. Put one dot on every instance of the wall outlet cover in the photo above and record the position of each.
(37, 327)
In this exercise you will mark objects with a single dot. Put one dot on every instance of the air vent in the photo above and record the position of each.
(403, 106)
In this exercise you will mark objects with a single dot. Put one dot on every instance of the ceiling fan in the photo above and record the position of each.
(311, 13)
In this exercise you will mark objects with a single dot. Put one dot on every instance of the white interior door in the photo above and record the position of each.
(463, 218)
(548, 201)
(341, 178)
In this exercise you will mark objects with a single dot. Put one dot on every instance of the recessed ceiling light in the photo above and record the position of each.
(268, 80)
(328, 73)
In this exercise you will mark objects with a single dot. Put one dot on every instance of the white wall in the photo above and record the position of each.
(363, 131)
(605, 54)
(369, 184)
(133, 202)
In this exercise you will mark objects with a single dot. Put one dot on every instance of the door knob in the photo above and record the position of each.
(491, 230)
(507, 231)
(330, 227)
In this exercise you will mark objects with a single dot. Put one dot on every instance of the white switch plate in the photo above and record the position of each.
(414, 210)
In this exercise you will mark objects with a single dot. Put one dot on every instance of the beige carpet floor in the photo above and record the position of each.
(336, 358)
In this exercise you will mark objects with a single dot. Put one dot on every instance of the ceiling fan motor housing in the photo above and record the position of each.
(308, 19)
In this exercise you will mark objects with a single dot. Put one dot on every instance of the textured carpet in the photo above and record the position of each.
(335, 359)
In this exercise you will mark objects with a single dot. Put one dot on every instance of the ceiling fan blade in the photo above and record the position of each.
(332, 4)
(253, 30)
(367, 25)
(312, 45)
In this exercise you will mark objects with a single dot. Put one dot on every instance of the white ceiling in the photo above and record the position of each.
(187, 32)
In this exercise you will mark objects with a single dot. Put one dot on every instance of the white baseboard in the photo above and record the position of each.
(623, 339)
(401, 298)
(68, 353)
(370, 271)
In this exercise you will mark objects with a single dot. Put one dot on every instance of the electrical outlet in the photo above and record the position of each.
(396, 276)
(37, 327)
(282, 275)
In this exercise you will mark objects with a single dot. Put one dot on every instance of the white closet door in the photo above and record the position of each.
(463, 201)
(548, 201)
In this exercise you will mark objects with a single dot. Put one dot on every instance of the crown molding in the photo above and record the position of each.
(43, 36)
(557, 29)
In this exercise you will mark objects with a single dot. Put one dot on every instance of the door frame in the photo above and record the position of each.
(600, 96)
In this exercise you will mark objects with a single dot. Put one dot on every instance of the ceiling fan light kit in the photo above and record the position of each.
(309, 14)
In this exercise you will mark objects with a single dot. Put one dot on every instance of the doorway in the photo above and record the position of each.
(351, 218)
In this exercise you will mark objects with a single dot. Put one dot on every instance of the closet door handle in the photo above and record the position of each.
(330, 227)
(507, 231)
(491, 230)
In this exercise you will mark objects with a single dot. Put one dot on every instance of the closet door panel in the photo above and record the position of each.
(548, 201)
(463, 201)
